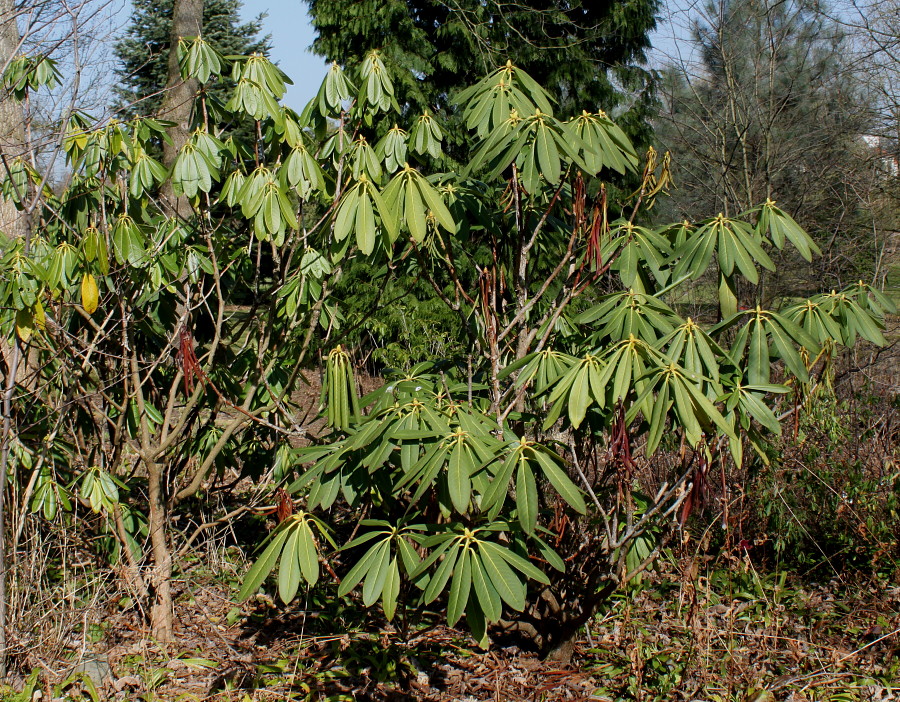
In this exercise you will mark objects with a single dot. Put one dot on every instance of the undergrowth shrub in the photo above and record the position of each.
(829, 498)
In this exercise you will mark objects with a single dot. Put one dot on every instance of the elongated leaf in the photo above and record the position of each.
(526, 497)
(307, 554)
(759, 355)
(658, 419)
(442, 574)
(485, 590)
(496, 492)
(358, 571)
(289, 571)
(90, 294)
(458, 481)
(501, 576)
(436, 204)
(561, 482)
(517, 562)
(391, 590)
(365, 225)
(261, 569)
(579, 397)
(378, 572)
(460, 587)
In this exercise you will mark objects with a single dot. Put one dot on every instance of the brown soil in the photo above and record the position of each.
(822, 640)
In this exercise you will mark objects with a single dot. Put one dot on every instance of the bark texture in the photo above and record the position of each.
(12, 224)
(177, 105)
(12, 126)
(161, 612)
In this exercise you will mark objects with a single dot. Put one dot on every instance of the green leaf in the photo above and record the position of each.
(289, 572)
(788, 353)
(436, 204)
(408, 557)
(358, 571)
(549, 555)
(388, 216)
(501, 576)
(391, 590)
(346, 214)
(378, 573)
(548, 156)
(261, 569)
(759, 411)
(498, 487)
(442, 574)
(458, 481)
(658, 419)
(365, 225)
(415, 213)
(579, 397)
(485, 591)
(516, 561)
(526, 497)
(759, 355)
(460, 587)
(561, 482)
(307, 554)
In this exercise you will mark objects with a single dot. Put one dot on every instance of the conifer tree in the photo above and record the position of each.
(586, 53)
(775, 109)
(144, 50)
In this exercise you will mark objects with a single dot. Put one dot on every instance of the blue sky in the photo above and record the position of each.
(292, 34)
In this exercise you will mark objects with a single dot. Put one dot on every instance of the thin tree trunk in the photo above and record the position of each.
(13, 222)
(161, 613)
(177, 107)
(12, 225)
(4, 466)
(178, 102)
(12, 128)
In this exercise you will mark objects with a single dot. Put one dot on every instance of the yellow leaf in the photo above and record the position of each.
(90, 294)
(40, 320)
(24, 324)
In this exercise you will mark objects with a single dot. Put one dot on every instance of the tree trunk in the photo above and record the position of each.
(178, 102)
(177, 107)
(566, 617)
(161, 611)
(9, 390)
(12, 225)
(12, 128)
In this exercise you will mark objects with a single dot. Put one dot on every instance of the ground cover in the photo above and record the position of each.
(700, 627)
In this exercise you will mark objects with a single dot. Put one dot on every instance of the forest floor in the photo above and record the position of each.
(693, 630)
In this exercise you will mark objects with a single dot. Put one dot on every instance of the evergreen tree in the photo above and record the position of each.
(586, 53)
(144, 50)
(773, 110)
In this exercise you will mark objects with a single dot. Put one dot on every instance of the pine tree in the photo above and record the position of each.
(585, 52)
(774, 109)
(144, 50)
